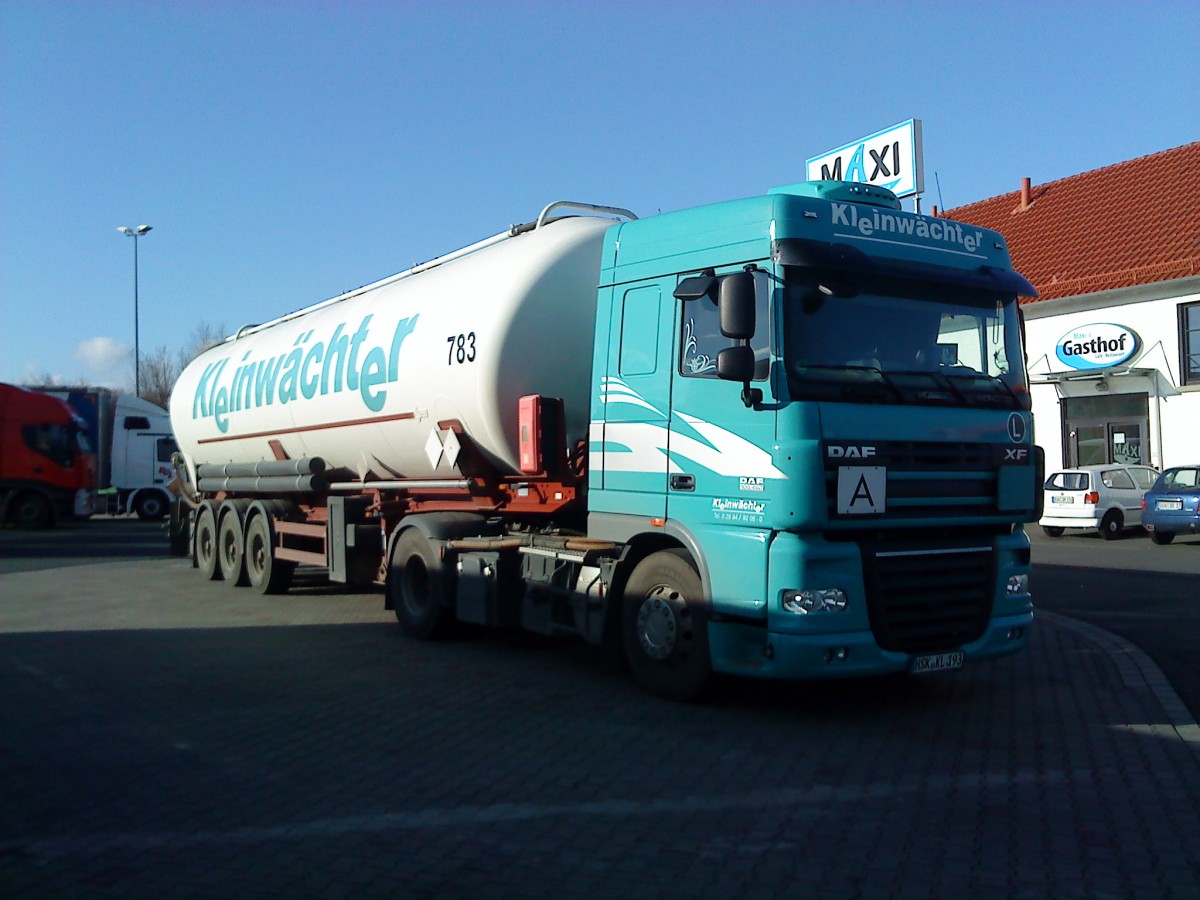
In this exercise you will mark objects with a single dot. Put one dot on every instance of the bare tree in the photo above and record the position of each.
(160, 369)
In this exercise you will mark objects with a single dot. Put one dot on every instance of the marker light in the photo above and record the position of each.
(1017, 584)
(803, 602)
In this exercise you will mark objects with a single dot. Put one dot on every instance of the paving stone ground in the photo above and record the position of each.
(163, 737)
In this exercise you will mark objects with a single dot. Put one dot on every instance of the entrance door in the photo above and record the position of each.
(1108, 429)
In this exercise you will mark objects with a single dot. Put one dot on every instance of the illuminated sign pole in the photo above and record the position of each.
(892, 159)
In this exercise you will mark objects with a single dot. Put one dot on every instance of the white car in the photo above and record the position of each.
(1107, 498)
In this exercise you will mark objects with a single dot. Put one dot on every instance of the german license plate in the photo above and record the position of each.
(1170, 504)
(938, 662)
(1062, 498)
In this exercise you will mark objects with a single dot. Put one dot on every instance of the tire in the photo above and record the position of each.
(1053, 530)
(266, 574)
(31, 510)
(1112, 524)
(206, 543)
(419, 587)
(178, 529)
(151, 506)
(1162, 538)
(231, 548)
(664, 626)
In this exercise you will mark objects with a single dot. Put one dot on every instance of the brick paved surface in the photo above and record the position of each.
(164, 737)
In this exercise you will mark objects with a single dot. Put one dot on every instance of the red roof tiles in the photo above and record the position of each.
(1133, 223)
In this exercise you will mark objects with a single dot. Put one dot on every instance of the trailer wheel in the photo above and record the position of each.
(206, 543)
(231, 548)
(151, 506)
(31, 510)
(419, 587)
(664, 626)
(266, 574)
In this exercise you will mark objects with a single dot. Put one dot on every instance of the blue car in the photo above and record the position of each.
(1172, 506)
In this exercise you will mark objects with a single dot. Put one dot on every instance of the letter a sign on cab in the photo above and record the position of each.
(862, 490)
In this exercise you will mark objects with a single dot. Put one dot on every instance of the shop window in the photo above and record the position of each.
(1189, 342)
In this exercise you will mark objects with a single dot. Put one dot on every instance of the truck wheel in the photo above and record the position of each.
(664, 626)
(419, 587)
(178, 530)
(31, 510)
(1053, 530)
(266, 574)
(1111, 524)
(206, 543)
(1162, 537)
(231, 549)
(151, 506)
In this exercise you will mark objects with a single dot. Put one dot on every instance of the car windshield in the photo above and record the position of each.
(888, 341)
(1067, 481)
(1179, 479)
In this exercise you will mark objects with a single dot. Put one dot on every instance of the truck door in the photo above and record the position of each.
(721, 470)
(635, 395)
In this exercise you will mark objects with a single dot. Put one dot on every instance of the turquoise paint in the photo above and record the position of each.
(759, 512)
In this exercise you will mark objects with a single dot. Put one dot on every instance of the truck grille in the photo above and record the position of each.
(928, 600)
(928, 480)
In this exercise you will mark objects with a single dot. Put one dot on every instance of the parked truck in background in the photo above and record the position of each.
(47, 469)
(785, 436)
(134, 445)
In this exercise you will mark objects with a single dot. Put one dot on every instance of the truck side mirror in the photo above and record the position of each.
(737, 303)
(736, 364)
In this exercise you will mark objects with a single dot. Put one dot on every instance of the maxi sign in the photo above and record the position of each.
(891, 159)
(1096, 346)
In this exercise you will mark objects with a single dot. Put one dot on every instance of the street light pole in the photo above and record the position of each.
(135, 233)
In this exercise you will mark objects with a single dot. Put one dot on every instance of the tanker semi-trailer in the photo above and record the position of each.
(785, 437)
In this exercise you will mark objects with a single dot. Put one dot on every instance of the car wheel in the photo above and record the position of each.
(1111, 524)
(1162, 538)
(1053, 530)
(665, 626)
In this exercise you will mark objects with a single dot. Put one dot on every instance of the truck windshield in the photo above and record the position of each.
(884, 341)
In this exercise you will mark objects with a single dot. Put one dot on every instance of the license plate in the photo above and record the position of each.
(1062, 498)
(1170, 504)
(938, 662)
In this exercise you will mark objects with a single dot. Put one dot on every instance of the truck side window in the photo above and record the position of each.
(165, 448)
(639, 331)
(701, 339)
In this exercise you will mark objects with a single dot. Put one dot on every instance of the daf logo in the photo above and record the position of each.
(850, 452)
(1016, 454)
(1016, 428)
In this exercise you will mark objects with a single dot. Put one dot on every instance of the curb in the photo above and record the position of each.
(1137, 670)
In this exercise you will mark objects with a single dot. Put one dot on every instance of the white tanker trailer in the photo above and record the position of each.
(597, 427)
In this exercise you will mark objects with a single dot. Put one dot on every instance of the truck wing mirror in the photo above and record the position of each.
(737, 364)
(737, 304)
(695, 287)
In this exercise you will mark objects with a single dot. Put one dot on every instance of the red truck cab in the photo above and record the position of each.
(47, 468)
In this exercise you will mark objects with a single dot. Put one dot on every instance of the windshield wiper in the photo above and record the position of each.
(871, 370)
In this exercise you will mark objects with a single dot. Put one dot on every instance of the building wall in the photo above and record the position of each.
(1102, 399)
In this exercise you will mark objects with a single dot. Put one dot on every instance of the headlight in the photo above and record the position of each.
(814, 601)
(1018, 584)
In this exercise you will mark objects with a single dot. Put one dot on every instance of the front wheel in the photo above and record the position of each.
(1111, 524)
(419, 587)
(31, 510)
(1162, 538)
(664, 626)
(151, 506)
(1053, 530)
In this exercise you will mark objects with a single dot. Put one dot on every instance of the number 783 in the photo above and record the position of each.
(462, 348)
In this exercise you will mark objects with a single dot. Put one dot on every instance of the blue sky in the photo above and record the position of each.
(285, 152)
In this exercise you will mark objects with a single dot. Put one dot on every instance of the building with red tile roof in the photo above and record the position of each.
(1113, 340)
(1125, 225)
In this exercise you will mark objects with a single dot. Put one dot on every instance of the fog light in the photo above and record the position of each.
(1018, 584)
(836, 654)
(1015, 634)
(814, 601)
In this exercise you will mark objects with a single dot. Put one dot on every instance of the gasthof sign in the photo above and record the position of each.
(1097, 346)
